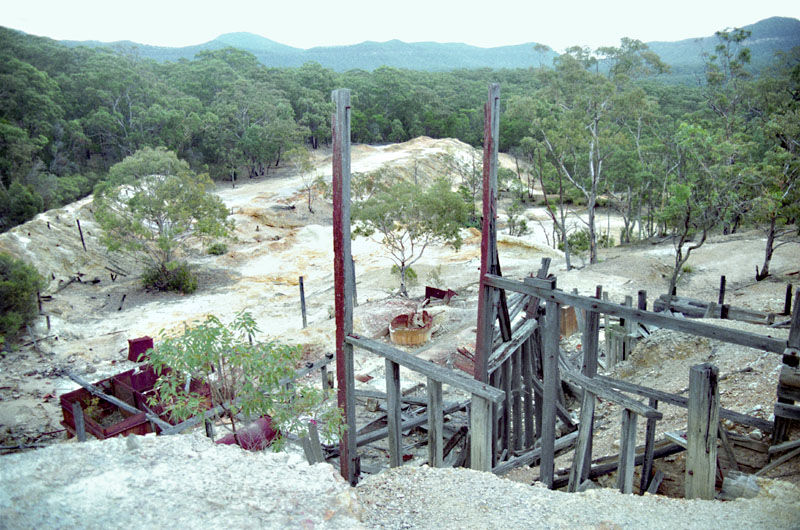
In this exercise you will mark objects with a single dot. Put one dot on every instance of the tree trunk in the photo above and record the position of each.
(770, 248)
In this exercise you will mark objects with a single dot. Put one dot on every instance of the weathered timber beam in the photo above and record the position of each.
(404, 426)
(501, 354)
(683, 402)
(531, 456)
(602, 390)
(427, 368)
(742, 338)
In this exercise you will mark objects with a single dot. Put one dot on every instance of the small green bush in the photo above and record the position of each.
(218, 249)
(19, 283)
(171, 277)
(411, 275)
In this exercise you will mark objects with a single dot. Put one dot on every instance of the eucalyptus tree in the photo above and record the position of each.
(776, 191)
(408, 219)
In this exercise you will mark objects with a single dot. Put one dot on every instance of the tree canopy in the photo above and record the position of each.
(152, 204)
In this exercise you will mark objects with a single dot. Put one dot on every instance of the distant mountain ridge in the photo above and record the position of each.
(685, 56)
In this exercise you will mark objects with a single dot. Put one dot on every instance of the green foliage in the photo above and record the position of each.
(578, 241)
(171, 276)
(18, 205)
(19, 283)
(408, 219)
(412, 280)
(217, 248)
(152, 204)
(517, 224)
(244, 374)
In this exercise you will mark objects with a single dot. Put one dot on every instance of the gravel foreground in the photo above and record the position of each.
(188, 482)
(409, 497)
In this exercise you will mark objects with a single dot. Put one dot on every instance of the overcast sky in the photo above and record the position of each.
(309, 23)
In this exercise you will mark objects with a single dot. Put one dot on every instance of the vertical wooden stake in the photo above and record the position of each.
(721, 299)
(303, 303)
(583, 451)
(790, 358)
(787, 301)
(80, 427)
(209, 425)
(81, 233)
(516, 388)
(345, 377)
(487, 295)
(353, 273)
(627, 452)
(591, 343)
(480, 434)
(649, 444)
(505, 370)
(527, 377)
(701, 435)
(393, 404)
(551, 383)
(642, 300)
(435, 423)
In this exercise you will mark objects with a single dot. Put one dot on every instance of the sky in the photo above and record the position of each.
(309, 23)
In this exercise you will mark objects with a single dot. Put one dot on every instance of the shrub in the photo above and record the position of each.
(411, 275)
(19, 283)
(244, 376)
(170, 277)
(217, 249)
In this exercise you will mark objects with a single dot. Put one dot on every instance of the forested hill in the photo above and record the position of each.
(684, 57)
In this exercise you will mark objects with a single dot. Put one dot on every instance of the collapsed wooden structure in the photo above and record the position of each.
(516, 395)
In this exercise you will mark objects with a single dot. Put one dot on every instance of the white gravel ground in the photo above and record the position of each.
(409, 497)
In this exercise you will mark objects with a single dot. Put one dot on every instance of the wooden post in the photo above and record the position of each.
(787, 301)
(355, 293)
(480, 434)
(606, 327)
(80, 427)
(343, 287)
(591, 342)
(551, 383)
(323, 373)
(435, 423)
(506, 416)
(303, 303)
(516, 403)
(649, 444)
(583, 451)
(721, 299)
(488, 295)
(790, 359)
(724, 310)
(80, 231)
(209, 425)
(393, 417)
(701, 435)
(642, 300)
(627, 340)
(627, 452)
(527, 377)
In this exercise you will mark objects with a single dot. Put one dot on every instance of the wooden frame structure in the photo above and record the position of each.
(516, 394)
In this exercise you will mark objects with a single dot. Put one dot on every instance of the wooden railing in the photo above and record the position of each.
(483, 396)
